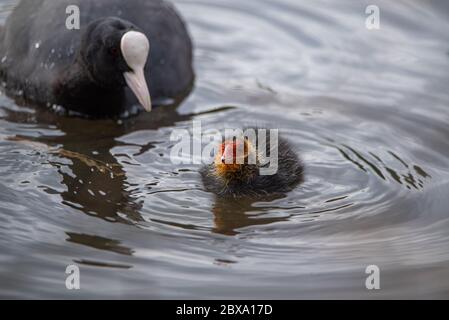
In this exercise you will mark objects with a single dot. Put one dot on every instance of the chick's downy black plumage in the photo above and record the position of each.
(244, 178)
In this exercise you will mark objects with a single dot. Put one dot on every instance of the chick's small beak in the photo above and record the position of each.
(228, 155)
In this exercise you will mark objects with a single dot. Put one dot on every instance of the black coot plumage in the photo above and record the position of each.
(237, 175)
(100, 70)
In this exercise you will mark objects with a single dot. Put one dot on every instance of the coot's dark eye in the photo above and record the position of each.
(113, 51)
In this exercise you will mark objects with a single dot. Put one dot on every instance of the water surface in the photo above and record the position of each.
(367, 111)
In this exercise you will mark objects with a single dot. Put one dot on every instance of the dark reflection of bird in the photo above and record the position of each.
(99, 243)
(96, 183)
(230, 215)
(236, 175)
(100, 70)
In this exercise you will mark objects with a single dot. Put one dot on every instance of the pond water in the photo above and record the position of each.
(367, 110)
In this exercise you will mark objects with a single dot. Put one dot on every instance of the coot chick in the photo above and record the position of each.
(241, 167)
(100, 70)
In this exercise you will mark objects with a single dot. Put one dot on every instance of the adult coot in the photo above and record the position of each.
(100, 69)
(239, 174)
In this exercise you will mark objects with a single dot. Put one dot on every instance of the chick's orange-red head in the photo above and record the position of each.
(231, 155)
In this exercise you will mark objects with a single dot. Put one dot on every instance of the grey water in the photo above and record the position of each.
(367, 110)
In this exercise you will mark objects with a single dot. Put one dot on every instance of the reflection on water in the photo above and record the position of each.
(230, 215)
(366, 111)
(98, 243)
(96, 183)
(410, 176)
